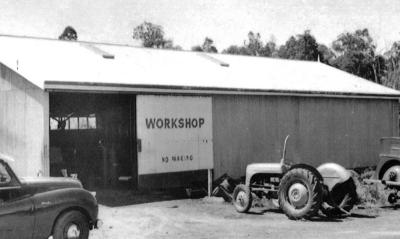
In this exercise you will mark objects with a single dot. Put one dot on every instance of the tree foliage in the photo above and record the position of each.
(392, 75)
(237, 50)
(69, 34)
(326, 55)
(208, 46)
(301, 47)
(356, 55)
(354, 52)
(169, 44)
(254, 46)
(152, 36)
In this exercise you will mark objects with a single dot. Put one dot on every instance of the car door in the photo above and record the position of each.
(16, 218)
(16, 207)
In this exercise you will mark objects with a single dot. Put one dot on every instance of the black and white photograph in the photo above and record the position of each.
(203, 119)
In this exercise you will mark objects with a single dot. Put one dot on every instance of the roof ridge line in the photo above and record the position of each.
(58, 40)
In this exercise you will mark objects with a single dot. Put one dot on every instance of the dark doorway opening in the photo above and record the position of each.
(93, 137)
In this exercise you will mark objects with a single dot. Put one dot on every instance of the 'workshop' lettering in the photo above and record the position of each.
(174, 123)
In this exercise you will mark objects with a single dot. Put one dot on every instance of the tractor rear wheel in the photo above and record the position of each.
(300, 193)
(242, 198)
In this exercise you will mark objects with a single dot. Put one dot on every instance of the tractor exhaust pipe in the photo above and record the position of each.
(284, 150)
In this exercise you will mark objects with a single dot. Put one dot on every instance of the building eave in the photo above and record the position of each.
(57, 86)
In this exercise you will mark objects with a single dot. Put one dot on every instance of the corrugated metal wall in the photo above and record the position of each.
(24, 123)
(250, 129)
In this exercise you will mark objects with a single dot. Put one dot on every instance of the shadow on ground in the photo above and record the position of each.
(320, 217)
(394, 207)
(341, 218)
(124, 197)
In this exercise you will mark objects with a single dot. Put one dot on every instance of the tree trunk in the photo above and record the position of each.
(374, 70)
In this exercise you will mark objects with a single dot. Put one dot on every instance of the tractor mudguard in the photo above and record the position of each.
(342, 191)
(333, 174)
(308, 167)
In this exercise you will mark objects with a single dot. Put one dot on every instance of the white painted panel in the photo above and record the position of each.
(175, 133)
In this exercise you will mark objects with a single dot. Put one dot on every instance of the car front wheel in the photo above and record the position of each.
(71, 225)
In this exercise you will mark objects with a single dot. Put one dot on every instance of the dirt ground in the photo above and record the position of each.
(213, 218)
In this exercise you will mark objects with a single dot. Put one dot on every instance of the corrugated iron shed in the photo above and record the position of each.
(54, 64)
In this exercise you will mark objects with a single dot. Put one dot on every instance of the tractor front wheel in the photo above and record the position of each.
(300, 194)
(242, 198)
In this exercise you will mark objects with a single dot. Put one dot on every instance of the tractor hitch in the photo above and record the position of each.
(394, 196)
(384, 182)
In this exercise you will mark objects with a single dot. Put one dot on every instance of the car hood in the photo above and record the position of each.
(49, 183)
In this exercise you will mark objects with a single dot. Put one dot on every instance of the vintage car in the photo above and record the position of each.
(44, 207)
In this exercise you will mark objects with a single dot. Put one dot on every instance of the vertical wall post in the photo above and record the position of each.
(209, 182)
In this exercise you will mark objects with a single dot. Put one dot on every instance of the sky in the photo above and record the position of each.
(188, 22)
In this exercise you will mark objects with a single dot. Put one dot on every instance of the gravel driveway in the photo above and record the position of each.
(212, 218)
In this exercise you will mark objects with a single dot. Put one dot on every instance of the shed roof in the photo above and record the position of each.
(64, 65)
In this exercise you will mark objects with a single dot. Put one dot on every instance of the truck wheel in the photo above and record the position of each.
(392, 174)
(242, 198)
(72, 224)
(300, 194)
(392, 198)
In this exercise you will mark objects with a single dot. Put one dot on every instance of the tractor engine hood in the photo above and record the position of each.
(262, 168)
(43, 184)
